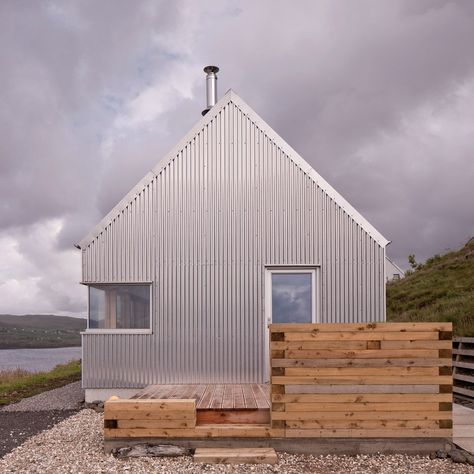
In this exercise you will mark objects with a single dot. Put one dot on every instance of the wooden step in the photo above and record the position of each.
(235, 456)
(233, 416)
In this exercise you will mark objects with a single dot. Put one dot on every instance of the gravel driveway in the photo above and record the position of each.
(75, 445)
(24, 419)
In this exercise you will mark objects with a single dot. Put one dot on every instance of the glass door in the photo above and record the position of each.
(291, 297)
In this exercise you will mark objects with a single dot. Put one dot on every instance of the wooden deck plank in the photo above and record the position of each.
(228, 397)
(212, 396)
(198, 392)
(235, 456)
(261, 398)
(162, 391)
(144, 393)
(249, 397)
(238, 397)
(205, 401)
(217, 396)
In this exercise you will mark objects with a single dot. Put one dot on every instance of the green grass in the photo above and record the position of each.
(442, 289)
(18, 384)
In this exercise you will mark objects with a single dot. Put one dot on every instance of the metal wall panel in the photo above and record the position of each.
(202, 231)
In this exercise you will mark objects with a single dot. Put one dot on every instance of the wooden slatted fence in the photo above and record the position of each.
(463, 366)
(362, 380)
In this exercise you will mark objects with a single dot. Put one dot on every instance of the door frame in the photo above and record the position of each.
(315, 271)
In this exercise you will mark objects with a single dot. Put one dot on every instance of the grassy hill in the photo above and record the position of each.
(442, 289)
(39, 331)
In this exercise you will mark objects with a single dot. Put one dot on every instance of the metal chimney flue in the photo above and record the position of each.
(211, 87)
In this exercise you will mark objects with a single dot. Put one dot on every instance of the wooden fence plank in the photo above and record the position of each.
(351, 380)
(383, 389)
(361, 398)
(361, 336)
(415, 344)
(391, 362)
(204, 431)
(315, 345)
(360, 406)
(362, 415)
(363, 424)
(361, 354)
(137, 424)
(376, 433)
(148, 415)
(362, 371)
(158, 405)
(366, 327)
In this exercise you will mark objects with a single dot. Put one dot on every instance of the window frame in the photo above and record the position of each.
(315, 290)
(148, 330)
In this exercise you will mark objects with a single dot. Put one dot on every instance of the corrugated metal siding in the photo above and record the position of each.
(203, 230)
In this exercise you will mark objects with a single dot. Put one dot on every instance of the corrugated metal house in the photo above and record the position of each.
(231, 230)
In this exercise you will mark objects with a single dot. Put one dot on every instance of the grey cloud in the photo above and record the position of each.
(95, 93)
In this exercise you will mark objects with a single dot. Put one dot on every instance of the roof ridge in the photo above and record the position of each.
(232, 96)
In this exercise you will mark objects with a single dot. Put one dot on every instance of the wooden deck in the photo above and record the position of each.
(213, 396)
(388, 385)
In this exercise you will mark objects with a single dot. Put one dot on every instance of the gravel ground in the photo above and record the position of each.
(17, 427)
(69, 397)
(75, 445)
(30, 416)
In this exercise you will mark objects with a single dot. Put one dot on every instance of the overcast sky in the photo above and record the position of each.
(377, 96)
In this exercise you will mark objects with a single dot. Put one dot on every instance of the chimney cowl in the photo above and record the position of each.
(211, 87)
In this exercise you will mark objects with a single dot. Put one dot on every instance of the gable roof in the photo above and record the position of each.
(232, 97)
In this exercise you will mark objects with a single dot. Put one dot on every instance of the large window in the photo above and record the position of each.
(121, 306)
(292, 295)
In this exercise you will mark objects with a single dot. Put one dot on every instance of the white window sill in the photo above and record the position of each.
(117, 331)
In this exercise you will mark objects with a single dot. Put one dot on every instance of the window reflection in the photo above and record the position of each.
(292, 297)
(119, 306)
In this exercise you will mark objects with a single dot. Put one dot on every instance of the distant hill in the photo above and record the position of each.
(441, 289)
(40, 331)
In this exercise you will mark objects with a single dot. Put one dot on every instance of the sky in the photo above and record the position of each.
(377, 96)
